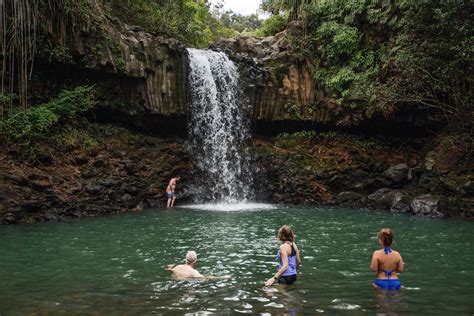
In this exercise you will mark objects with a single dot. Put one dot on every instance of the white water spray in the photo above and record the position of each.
(219, 127)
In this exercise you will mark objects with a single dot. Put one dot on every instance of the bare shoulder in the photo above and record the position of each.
(396, 253)
(377, 253)
(285, 248)
(196, 274)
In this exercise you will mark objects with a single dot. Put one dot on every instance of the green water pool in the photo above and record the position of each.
(116, 265)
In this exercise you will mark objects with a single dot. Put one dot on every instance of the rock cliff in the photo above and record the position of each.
(138, 74)
(144, 78)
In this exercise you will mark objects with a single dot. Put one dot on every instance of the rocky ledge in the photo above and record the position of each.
(347, 171)
(104, 170)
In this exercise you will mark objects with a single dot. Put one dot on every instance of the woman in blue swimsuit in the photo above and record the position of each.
(386, 262)
(288, 258)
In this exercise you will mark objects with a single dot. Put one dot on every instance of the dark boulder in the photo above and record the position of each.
(9, 218)
(349, 198)
(80, 160)
(32, 206)
(44, 157)
(397, 173)
(394, 200)
(107, 182)
(20, 180)
(426, 205)
(90, 173)
(99, 163)
(128, 200)
(468, 187)
(40, 185)
(50, 217)
(93, 188)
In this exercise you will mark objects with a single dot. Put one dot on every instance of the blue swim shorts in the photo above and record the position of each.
(170, 195)
(388, 284)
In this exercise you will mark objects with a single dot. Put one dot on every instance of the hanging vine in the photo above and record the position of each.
(18, 24)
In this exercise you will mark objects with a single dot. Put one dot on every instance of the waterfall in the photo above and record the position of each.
(218, 128)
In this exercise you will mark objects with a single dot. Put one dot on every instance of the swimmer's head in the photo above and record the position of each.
(386, 236)
(191, 257)
(285, 233)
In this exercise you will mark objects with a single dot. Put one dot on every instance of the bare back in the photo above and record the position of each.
(171, 185)
(184, 272)
(382, 262)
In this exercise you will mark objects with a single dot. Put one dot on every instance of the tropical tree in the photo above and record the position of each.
(294, 8)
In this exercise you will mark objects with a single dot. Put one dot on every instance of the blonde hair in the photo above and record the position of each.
(386, 235)
(285, 233)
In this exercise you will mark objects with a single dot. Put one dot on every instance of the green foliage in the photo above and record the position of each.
(8, 97)
(292, 110)
(372, 143)
(274, 24)
(287, 140)
(120, 64)
(72, 138)
(433, 58)
(373, 56)
(340, 39)
(59, 53)
(189, 21)
(41, 119)
(336, 41)
(294, 8)
(25, 124)
(301, 134)
(70, 103)
(236, 21)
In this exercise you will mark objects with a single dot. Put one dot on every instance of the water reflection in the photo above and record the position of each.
(388, 302)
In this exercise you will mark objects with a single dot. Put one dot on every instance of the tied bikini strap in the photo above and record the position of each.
(388, 273)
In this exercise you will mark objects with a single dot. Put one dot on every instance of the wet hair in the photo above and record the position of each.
(191, 257)
(386, 235)
(285, 233)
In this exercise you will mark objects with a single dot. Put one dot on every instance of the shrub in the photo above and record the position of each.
(273, 25)
(41, 119)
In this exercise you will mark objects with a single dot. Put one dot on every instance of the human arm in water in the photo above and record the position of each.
(400, 264)
(298, 259)
(284, 266)
(374, 263)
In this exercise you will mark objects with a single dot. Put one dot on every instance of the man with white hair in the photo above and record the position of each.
(187, 270)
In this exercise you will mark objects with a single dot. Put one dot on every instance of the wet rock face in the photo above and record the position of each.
(350, 177)
(387, 199)
(147, 74)
(426, 205)
(271, 77)
(122, 176)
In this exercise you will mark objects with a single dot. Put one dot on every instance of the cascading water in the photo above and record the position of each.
(219, 127)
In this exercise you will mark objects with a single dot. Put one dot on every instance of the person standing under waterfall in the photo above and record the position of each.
(170, 191)
(386, 262)
(288, 257)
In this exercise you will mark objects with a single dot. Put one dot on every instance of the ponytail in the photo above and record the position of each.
(386, 235)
